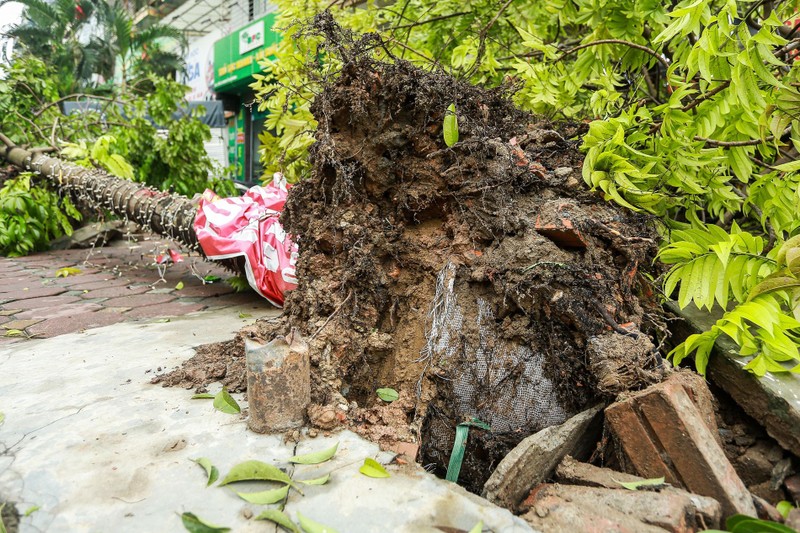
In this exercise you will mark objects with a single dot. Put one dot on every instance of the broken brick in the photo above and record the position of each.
(663, 433)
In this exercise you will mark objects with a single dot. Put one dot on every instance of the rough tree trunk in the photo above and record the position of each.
(167, 214)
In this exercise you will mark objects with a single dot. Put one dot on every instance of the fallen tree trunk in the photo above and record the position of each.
(169, 215)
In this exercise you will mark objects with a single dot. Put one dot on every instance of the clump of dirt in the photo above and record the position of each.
(476, 280)
(219, 361)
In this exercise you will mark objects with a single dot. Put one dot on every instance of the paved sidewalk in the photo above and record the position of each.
(117, 283)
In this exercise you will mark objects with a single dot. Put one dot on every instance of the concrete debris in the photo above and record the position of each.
(765, 510)
(793, 519)
(567, 508)
(663, 433)
(773, 400)
(571, 472)
(535, 458)
(94, 234)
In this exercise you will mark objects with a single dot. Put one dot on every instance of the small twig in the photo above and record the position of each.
(643, 48)
(331, 317)
(734, 144)
(613, 323)
(428, 21)
(482, 37)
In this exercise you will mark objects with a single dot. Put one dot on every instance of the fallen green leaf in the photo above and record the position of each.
(783, 506)
(450, 126)
(211, 278)
(387, 395)
(477, 528)
(635, 485)
(310, 526)
(14, 333)
(2, 522)
(203, 396)
(32, 509)
(67, 271)
(273, 515)
(373, 468)
(161, 321)
(316, 481)
(211, 470)
(179, 286)
(224, 402)
(747, 524)
(315, 457)
(194, 524)
(255, 471)
(265, 497)
(245, 315)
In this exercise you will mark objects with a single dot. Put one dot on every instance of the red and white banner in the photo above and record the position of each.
(248, 226)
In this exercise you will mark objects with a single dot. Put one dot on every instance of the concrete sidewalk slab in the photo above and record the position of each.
(98, 448)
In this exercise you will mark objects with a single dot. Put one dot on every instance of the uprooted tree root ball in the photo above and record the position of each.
(480, 281)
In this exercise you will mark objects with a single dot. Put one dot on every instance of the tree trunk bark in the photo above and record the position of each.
(167, 214)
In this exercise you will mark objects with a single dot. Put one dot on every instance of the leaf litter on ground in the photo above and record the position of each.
(315, 457)
(211, 471)
(224, 402)
(373, 468)
(195, 524)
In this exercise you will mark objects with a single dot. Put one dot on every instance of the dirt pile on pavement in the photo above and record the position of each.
(481, 281)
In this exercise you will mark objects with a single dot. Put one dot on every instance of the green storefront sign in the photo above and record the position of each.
(236, 56)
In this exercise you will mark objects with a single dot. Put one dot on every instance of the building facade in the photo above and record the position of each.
(226, 39)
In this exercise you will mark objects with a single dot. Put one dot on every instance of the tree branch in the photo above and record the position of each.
(643, 48)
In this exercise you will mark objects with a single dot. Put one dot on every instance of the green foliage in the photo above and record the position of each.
(30, 216)
(177, 161)
(693, 117)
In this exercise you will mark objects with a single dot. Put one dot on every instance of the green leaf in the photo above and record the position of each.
(211, 278)
(179, 286)
(387, 395)
(2, 523)
(30, 510)
(745, 524)
(477, 528)
(265, 497)
(224, 402)
(316, 481)
(635, 485)
(67, 271)
(211, 470)
(245, 315)
(310, 526)
(373, 468)
(203, 396)
(315, 457)
(255, 471)
(14, 333)
(194, 524)
(784, 508)
(450, 126)
(278, 517)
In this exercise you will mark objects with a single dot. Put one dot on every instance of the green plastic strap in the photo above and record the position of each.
(460, 446)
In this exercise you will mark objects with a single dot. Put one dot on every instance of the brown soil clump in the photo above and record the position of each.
(478, 280)
(219, 361)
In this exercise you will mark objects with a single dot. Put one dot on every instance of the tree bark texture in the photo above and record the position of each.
(167, 214)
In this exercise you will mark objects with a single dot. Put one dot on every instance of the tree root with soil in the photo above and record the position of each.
(481, 281)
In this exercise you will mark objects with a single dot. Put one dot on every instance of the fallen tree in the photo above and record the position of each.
(167, 214)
